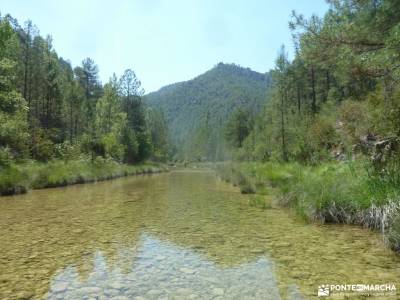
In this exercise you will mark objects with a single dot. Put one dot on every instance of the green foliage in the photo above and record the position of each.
(145, 147)
(260, 201)
(42, 148)
(197, 110)
(18, 178)
(394, 235)
(131, 145)
(12, 180)
(138, 136)
(356, 120)
(337, 97)
(50, 110)
(6, 157)
(331, 192)
(239, 127)
(110, 122)
(67, 151)
(158, 134)
(60, 173)
(13, 108)
(13, 125)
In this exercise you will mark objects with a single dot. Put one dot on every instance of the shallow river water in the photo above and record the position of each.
(177, 235)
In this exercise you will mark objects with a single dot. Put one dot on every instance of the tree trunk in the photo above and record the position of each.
(313, 93)
(284, 153)
(298, 99)
(328, 84)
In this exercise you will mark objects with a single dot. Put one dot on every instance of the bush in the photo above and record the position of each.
(12, 181)
(67, 151)
(6, 158)
(43, 148)
(355, 120)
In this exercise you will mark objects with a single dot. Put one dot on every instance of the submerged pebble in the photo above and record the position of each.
(183, 235)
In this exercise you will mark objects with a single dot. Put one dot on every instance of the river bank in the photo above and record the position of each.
(19, 178)
(329, 193)
(176, 235)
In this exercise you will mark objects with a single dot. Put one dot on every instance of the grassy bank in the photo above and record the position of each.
(19, 178)
(329, 193)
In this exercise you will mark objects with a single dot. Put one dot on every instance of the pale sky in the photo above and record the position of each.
(165, 41)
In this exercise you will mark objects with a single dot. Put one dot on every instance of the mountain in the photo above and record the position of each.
(197, 110)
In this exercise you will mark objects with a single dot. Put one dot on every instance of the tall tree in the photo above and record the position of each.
(88, 77)
(239, 127)
(280, 77)
(137, 138)
(110, 121)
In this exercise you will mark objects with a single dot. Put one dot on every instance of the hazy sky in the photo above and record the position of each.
(165, 41)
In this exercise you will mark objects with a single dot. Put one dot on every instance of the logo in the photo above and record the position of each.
(323, 290)
(362, 289)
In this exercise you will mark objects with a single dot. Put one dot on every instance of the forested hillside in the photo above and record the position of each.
(50, 110)
(330, 135)
(340, 93)
(197, 110)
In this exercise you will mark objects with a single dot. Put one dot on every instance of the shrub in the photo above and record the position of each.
(6, 158)
(355, 120)
(12, 181)
(67, 151)
(43, 147)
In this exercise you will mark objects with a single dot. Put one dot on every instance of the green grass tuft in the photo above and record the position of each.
(19, 178)
(333, 192)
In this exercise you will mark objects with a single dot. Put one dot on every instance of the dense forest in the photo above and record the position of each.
(50, 108)
(197, 110)
(340, 92)
(52, 111)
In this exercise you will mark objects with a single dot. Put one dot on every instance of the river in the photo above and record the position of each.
(177, 235)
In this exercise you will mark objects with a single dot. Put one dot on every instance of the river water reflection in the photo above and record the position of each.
(178, 235)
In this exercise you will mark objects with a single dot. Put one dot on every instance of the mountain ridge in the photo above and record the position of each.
(218, 65)
(197, 110)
